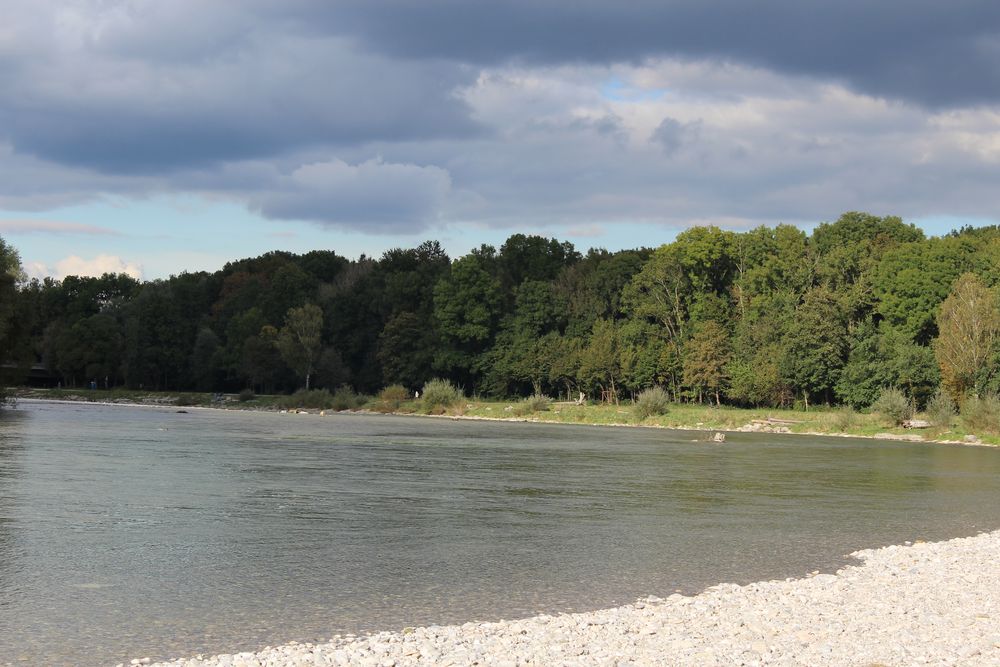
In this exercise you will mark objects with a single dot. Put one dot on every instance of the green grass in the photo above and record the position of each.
(834, 420)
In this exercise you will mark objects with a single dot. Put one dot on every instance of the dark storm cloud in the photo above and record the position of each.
(937, 54)
(143, 92)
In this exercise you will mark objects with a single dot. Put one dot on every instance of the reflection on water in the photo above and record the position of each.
(128, 532)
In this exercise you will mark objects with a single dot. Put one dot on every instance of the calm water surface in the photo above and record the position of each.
(129, 532)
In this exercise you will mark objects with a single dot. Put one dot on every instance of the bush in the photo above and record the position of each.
(893, 405)
(439, 395)
(982, 413)
(844, 419)
(345, 398)
(651, 402)
(941, 409)
(395, 392)
(314, 399)
(391, 398)
(185, 400)
(532, 404)
(246, 395)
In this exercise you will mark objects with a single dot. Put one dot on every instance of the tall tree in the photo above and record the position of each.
(816, 346)
(705, 358)
(300, 340)
(13, 327)
(467, 307)
(969, 324)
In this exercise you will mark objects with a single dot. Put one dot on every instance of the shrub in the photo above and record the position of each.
(391, 398)
(893, 405)
(532, 404)
(394, 392)
(185, 400)
(982, 413)
(651, 402)
(315, 399)
(439, 395)
(941, 409)
(844, 419)
(246, 395)
(345, 398)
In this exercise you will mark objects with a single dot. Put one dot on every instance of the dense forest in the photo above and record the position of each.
(772, 316)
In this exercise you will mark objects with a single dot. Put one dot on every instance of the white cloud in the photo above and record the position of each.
(78, 266)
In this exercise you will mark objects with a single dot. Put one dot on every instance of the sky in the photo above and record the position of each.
(161, 136)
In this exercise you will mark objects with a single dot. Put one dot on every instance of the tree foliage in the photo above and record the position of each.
(763, 317)
(969, 323)
(300, 340)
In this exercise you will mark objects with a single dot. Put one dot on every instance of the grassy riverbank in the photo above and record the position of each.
(822, 421)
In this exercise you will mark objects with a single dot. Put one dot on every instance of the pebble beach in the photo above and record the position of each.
(920, 604)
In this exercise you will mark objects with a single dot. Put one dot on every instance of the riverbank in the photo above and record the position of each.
(926, 603)
(836, 422)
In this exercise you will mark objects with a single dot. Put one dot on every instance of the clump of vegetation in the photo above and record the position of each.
(185, 400)
(982, 413)
(308, 399)
(391, 398)
(440, 395)
(246, 395)
(532, 404)
(941, 409)
(844, 419)
(345, 398)
(893, 405)
(651, 402)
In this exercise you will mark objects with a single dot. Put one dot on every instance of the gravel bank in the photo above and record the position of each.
(935, 603)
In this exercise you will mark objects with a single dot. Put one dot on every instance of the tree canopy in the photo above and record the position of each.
(769, 316)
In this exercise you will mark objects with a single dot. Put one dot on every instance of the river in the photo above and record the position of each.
(128, 532)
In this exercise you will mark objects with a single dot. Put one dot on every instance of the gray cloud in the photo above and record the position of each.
(933, 53)
(391, 116)
(116, 91)
(671, 134)
(375, 196)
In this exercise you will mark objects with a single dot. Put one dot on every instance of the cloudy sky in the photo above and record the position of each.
(155, 136)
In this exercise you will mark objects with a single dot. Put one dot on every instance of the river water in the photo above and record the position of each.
(128, 532)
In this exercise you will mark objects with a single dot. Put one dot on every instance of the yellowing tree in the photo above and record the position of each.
(968, 326)
(299, 341)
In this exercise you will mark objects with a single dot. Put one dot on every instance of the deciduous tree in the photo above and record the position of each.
(300, 340)
(969, 324)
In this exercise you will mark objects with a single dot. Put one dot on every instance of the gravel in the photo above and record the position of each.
(926, 603)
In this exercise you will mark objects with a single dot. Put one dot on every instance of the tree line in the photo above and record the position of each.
(773, 316)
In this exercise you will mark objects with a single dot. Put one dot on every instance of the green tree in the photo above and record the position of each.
(600, 362)
(406, 350)
(969, 324)
(467, 308)
(14, 356)
(881, 357)
(300, 340)
(816, 346)
(206, 360)
(706, 356)
(261, 365)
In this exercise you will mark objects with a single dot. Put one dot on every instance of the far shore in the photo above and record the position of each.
(700, 419)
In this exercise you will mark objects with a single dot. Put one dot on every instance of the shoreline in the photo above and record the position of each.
(914, 438)
(922, 603)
